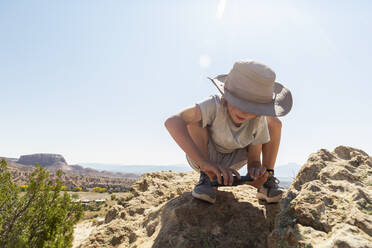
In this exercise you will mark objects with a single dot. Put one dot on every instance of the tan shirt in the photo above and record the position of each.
(226, 136)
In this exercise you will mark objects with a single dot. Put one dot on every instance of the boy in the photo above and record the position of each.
(223, 133)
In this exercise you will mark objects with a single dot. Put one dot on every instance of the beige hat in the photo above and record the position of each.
(250, 86)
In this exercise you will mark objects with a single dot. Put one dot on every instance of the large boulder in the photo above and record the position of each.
(329, 203)
(160, 212)
(45, 159)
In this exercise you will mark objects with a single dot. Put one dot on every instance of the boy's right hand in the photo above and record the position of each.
(214, 171)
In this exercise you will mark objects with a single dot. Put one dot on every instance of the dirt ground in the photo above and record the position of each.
(95, 195)
(82, 231)
(85, 226)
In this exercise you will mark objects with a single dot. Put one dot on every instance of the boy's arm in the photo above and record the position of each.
(177, 127)
(254, 167)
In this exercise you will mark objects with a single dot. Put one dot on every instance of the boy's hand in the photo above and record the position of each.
(256, 170)
(257, 183)
(258, 173)
(227, 174)
(214, 171)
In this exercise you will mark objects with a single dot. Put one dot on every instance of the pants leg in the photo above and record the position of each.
(236, 160)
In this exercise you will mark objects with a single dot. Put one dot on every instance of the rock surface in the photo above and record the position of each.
(160, 212)
(329, 203)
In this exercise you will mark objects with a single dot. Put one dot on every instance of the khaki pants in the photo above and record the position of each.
(236, 160)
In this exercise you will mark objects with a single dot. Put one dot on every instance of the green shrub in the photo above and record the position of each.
(75, 196)
(23, 187)
(76, 188)
(99, 189)
(42, 217)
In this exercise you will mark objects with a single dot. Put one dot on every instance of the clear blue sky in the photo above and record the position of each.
(95, 80)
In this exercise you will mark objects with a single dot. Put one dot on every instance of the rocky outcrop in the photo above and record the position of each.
(159, 211)
(329, 203)
(45, 159)
(115, 212)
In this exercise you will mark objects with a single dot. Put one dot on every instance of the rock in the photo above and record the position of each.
(329, 203)
(160, 212)
(113, 213)
(100, 221)
(82, 231)
(45, 159)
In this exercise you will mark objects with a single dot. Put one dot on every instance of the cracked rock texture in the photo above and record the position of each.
(160, 212)
(329, 203)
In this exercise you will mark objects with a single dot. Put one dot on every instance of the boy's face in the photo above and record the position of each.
(238, 116)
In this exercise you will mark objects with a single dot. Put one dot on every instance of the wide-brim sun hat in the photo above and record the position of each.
(250, 86)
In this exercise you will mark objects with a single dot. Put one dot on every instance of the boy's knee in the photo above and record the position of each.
(274, 122)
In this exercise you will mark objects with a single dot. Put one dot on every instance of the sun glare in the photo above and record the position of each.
(220, 9)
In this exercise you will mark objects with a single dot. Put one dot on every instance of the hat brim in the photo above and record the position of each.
(280, 105)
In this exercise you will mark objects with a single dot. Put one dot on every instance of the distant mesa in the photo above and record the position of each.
(73, 175)
(45, 159)
(54, 162)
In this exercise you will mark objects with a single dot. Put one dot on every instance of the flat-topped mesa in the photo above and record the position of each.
(45, 159)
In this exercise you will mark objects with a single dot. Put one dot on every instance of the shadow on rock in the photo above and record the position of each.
(188, 222)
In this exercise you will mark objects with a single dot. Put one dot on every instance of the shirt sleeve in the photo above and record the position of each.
(208, 109)
(262, 135)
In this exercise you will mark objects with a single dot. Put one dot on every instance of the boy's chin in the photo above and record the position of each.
(237, 122)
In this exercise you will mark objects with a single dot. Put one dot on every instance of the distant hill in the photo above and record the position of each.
(54, 162)
(74, 175)
(287, 170)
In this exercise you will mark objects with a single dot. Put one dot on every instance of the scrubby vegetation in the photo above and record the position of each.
(41, 217)
(99, 189)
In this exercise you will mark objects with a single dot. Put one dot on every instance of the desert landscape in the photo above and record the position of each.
(328, 204)
(105, 105)
(74, 176)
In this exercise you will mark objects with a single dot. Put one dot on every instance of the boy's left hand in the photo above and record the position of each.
(257, 183)
(258, 173)
(255, 171)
